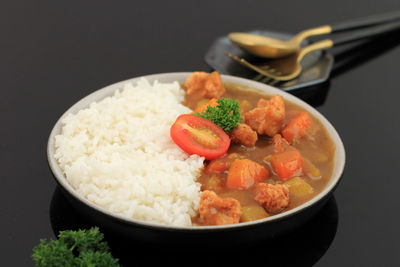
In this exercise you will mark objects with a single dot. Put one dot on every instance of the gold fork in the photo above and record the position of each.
(267, 80)
(283, 69)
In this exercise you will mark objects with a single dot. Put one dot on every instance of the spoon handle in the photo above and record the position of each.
(366, 21)
(366, 33)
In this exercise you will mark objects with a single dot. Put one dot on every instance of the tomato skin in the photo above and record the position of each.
(182, 135)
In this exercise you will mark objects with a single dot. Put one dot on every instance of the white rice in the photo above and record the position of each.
(119, 155)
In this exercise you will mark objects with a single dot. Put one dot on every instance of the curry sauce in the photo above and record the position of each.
(316, 149)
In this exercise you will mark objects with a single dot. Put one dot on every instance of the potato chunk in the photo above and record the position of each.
(215, 210)
(298, 187)
(310, 169)
(252, 213)
(244, 106)
(214, 183)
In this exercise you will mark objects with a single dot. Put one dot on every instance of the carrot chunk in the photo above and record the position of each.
(212, 103)
(287, 161)
(297, 127)
(287, 164)
(222, 164)
(243, 173)
(219, 165)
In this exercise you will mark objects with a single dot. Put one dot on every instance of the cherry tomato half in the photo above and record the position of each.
(196, 135)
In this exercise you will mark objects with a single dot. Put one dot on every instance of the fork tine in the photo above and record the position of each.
(265, 67)
(262, 79)
(278, 73)
(274, 82)
(266, 80)
(249, 65)
(258, 77)
(272, 70)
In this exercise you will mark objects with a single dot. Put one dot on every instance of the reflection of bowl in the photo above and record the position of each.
(154, 232)
(306, 245)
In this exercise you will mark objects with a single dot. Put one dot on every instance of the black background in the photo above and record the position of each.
(53, 53)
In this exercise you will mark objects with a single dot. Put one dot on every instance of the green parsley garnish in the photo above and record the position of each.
(74, 248)
(226, 115)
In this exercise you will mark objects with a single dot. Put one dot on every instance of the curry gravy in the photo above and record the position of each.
(317, 148)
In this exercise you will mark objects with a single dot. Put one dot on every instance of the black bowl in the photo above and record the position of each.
(150, 232)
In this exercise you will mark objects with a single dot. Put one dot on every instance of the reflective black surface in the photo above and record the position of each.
(312, 240)
(54, 53)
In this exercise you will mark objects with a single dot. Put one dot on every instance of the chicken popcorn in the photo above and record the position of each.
(243, 134)
(274, 198)
(215, 210)
(204, 85)
(268, 117)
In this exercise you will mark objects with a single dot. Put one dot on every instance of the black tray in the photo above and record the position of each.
(316, 65)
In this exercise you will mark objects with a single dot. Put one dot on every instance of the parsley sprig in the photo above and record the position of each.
(74, 248)
(226, 114)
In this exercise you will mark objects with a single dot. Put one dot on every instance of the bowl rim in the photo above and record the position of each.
(100, 94)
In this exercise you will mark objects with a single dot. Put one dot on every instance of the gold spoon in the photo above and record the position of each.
(268, 47)
(288, 68)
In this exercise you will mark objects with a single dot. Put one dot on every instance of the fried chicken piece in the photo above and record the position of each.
(195, 84)
(243, 134)
(215, 210)
(274, 198)
(213, 86)
(204, 85)
(268, 117)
